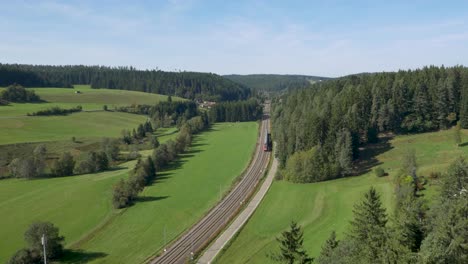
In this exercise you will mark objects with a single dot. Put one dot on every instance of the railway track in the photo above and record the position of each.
(185, 248)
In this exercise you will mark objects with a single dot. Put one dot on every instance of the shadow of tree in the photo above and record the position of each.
(150, 198)
(463, 144)
(80, 256)
(368, 155)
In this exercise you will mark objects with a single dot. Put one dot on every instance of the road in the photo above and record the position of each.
(195, 239)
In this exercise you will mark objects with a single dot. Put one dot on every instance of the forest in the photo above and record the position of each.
(191, 85)
(240, 111)
(320, 129)
(274, 82)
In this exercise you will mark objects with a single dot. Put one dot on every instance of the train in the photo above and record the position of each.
(267, 143)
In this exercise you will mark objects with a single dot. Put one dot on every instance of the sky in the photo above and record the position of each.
(322, 38)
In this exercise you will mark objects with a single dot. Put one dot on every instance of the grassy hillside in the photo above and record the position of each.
(53, 128)
(89, 99)
(326, 206)
(81, 205)
(274, 82)
(58, 200)
(16, 127)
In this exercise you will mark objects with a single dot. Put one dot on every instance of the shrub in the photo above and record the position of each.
(64, 165)
(24, 256)
(54, 242)
(379, 172)
(56, 111)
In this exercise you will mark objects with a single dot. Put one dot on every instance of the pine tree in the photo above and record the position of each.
(344, 151)
(291, 249)
(327, 248)
(442, 104)
(464, 105)
(368, 226)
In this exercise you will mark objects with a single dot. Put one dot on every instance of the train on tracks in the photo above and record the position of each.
(267, 143)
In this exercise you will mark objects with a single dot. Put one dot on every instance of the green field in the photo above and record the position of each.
(54, 128)
(81, 206)
(89, 99)
(16, 127)
(326, 206)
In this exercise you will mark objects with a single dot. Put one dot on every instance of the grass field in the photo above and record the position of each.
(16, 127)
(89, 99)
(326, 206)
(81, 205)
(54, 128)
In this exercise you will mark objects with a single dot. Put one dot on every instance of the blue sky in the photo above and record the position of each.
(327, 38)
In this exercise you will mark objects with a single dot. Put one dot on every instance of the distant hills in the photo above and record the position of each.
(275, 82)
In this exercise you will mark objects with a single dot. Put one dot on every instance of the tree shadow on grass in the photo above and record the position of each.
(368, 155)
(150, 198)
(80, 256)
(463, 144)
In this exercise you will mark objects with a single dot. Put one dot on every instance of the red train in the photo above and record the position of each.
(267, 143)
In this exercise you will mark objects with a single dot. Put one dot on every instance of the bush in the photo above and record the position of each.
(123, 194)
(56, 111)
(24, 256)
(54, 242)
(64, 165)
(95, 162)
(379, 172)
(16, 93)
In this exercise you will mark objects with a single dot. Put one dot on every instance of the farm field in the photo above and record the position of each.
(93, 122)
(55, 128)
(58, 200)
(326, 206)
(81, 205)
(89, 99)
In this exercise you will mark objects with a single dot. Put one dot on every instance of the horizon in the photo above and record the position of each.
(246, 37)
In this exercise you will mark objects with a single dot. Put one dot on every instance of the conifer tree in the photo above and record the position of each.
(291, 249)
(368, 226)
(327, 248)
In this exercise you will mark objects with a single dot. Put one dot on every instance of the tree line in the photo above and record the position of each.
(126, 191)
(320, 129)
(191, 85)
(239, 111)
(35, 165)
(166, 114)
(274, 82)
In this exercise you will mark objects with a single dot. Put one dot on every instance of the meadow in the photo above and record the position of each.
(81, 205)
(16, 127)
(89, 99)
(326, 206)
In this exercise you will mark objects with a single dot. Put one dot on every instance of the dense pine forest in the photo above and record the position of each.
(191, 85)
(240, 111)
(274, 82)
(319, 129)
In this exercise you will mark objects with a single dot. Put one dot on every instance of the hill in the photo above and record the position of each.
(326, 206)
(191, 85)
(274, 82)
